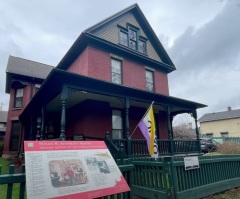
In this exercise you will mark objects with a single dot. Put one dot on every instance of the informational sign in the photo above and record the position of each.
(71, 170)
(191, 163)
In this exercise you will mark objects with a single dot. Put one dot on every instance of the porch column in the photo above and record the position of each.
(42, 133)
(63, 115)
(127, 106)
(170, 132)
(194, 114)
(32, 126)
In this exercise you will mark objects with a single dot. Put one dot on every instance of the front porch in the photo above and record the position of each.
(68, 104)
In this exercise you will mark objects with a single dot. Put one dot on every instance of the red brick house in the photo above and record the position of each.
(105, 83)
(23, 79)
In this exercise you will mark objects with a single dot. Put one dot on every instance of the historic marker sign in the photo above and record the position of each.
(191, 163)
(71, 170)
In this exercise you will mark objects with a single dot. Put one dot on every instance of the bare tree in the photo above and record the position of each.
(182, 127)
(183, 132)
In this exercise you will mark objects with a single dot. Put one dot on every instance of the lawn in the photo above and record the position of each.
(3, 188)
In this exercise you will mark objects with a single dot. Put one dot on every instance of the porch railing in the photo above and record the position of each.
(139, 146)
(185, 146)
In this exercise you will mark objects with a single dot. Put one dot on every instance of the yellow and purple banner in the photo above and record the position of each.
(147, 126)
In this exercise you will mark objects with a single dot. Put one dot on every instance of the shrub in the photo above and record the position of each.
(1, 138)
(1, 147)
(228, 148)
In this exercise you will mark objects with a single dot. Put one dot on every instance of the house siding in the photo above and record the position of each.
(111, 34)
(232, 126)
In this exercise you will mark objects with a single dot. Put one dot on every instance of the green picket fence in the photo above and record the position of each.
(167, 177)
(150, 178)
(164, 177)
(226, 139)
(11, 179)
(216, 174)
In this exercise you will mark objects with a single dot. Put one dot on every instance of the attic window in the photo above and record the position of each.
(209, 135)
(130, 37)
(224, 134)
(123, 38)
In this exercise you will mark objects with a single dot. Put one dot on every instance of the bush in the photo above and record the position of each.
(228, 148)
(1, 147)
(1, 138)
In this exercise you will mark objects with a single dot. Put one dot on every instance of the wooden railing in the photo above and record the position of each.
(19, 179)
(10, 179)
(165, 146)
(185, 146)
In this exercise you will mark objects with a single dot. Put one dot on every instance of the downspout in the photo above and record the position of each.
(31, 91)
(20, 139)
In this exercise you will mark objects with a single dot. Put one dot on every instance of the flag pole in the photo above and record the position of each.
(141, 119)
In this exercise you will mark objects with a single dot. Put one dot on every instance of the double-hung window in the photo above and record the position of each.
(132, 39)
(123, 38)
(18, 98)
(142, 46)
(14, 139)
(117, 124)
(116, 71)
(149, 80)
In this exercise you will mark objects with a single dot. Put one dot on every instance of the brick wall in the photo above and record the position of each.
(96, 63)
(92, 118)
(13, 113)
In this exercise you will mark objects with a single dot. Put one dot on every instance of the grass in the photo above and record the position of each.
(230, 194)
(3, 188)
(4, 166)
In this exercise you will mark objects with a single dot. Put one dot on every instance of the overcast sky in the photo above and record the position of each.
(202, 38)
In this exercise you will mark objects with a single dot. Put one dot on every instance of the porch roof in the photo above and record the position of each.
(54, 83)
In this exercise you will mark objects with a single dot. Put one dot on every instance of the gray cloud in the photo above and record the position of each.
(44, 30)
(207, 59)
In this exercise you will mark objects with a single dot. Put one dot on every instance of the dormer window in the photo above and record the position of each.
(123, 38)
(142, 47)
(130, 37)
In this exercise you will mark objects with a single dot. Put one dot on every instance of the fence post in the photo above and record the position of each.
(10, 185)
(171, 177)
(121, 153)
(22, 185)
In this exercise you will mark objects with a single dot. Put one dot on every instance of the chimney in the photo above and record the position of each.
(189, 125)
(229, 108)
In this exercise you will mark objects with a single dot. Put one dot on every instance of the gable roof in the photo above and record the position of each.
(22, 67)
(88, 38)
(144, 24)
(220, 116)
(3, 116)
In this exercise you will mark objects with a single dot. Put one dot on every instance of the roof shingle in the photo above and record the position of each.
(28, 68)
(220, 115)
